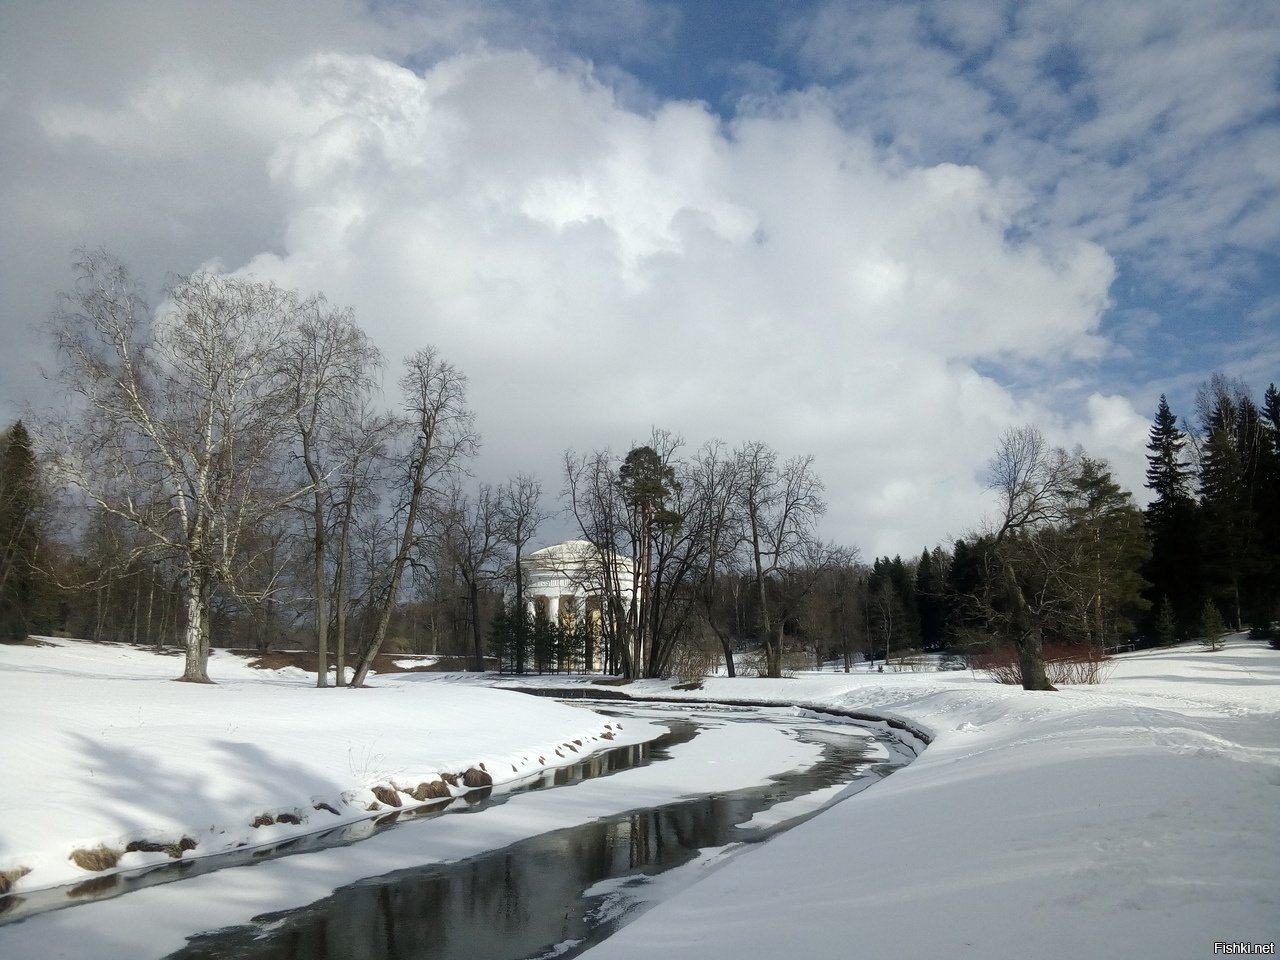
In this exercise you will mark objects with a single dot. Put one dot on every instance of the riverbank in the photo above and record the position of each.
(1138, 818)
(110, 766)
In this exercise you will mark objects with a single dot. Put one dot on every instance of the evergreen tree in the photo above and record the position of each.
(1108, 546)
(931, 602)
(24, 605)
(1168, 473)
(1211, 626)
(1166, 628)
(1173, 569)
(1268, 505)
(1229, 481)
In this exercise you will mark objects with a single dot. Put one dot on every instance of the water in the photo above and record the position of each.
(550, 895)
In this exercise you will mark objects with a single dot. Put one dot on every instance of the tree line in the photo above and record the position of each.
(225, 468)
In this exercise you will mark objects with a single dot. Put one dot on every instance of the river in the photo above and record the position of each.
(531, 892)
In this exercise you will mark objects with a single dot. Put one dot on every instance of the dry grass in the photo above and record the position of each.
(9, 877)
(1064, 664)
(96, 859)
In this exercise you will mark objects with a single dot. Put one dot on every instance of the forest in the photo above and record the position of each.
(226, 470)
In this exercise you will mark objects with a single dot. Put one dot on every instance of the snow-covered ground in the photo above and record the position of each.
(104, 749)
(1140, 818)
(1137, 819)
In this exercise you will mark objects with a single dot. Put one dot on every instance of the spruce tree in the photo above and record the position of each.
(1168, 474)
(23, 606)
(1166, 628)
(1173, 569)
(1230, 475)
(1211, 626)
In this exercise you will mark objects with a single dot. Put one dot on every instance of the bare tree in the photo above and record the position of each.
(179, 419)
(714, 478)
(520, 513)
(1030, 478)
(438, 434)
(362, 440)
(329, 365)
(592, 495)
(781, 506)
(471, 539)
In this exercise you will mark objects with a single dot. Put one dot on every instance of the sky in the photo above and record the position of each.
(877, 232)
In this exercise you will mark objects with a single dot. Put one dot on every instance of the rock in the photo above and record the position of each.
(326, 807)
(144, 846)
(263, 820)
(289, 818)
(476, 778)
(430, 790)
(387, 795)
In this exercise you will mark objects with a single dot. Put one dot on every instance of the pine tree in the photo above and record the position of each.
(23, 594)
(1173, 569)
(1108, 547)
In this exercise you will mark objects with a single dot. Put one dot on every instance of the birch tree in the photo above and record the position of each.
(178, 419)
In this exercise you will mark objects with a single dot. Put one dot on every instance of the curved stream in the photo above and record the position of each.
(557, 893)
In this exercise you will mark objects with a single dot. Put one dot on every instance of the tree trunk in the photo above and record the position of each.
(199, 590)
(726, 646)
(397, 572)
(322, 601)
(473, 601)
(1028, 637)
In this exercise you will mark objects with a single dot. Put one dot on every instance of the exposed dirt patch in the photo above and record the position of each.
(25, 642)
(97, 858)
(9, 877)
(382, 663)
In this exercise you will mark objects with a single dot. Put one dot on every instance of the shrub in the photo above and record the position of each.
(1064, 664)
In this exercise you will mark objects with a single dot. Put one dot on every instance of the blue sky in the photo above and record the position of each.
(880, 232)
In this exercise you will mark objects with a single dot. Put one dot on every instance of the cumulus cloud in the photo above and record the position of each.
(600, 263)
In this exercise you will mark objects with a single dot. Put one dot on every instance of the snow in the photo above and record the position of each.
(117, 751)
(1140, 818)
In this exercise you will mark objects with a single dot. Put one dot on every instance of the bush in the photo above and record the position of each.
(1063, 664)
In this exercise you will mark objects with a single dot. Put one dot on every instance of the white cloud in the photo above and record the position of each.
(598, 269)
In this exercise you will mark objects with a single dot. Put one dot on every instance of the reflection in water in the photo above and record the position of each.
(525, 900)
(602, 764)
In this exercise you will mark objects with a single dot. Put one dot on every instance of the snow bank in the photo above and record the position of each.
(1139, 819)
(106, 751)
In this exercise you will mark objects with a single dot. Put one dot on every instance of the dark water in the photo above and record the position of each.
(531, 899)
